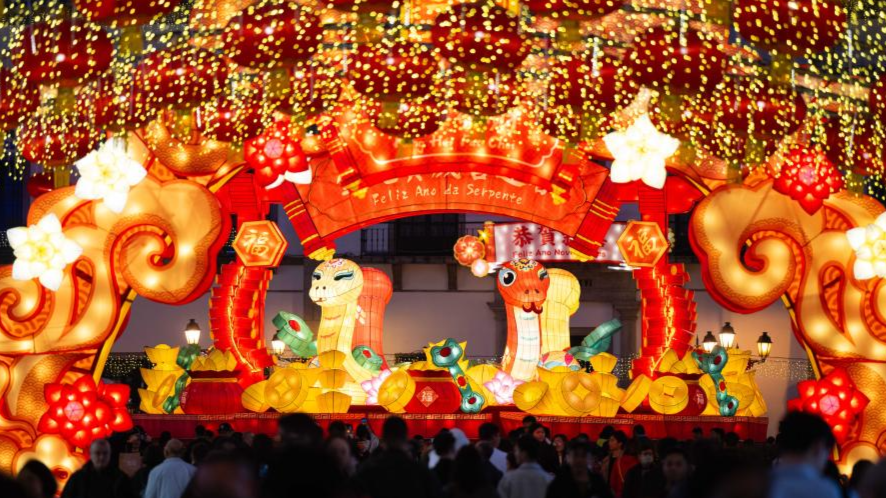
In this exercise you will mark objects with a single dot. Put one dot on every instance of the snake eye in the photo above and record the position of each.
(344, 275)
(542, 274)
(317, 275)
(507, 277)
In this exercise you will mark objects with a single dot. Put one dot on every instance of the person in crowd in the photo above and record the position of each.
(339, 449)
(37, 480)
(444, 448)
(164, 438)
(262, 448)
(152, 456)
(618, 463)
(97, 478)
(225, 429)
(337, 428)
(697, 434)
(529, 479)
(676, 469)
(805, 443)
(731, 440)
(10, 488)
(366, 442)
(547, 455)
(873, 484)
(528, 422)
(859, 471)
(605, 434)
(646, 479)
(248, 438)
(575, 479)
(493, 475)
(224, 475)
(491, 434)
(470, 478)
(560, 442)
(718, 435)
(392, 472)
(170, 478)
(299, 429)
(198, 452)
(639, 436)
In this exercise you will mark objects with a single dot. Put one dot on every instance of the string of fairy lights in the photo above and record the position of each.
(749, 85)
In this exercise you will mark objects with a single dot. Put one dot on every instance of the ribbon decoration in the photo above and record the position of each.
(597, 341)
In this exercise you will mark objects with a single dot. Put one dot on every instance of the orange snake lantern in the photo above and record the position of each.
(523, 285)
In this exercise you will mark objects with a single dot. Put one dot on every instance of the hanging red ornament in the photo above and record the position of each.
(39, 184)
(114, 104)
(83, 411)
(269, 35)
(485, 95)
(807, 177)
(843, 135)
(119, 13)
(834, 398)
(468, 249)
(677, 62)
(62, 52)
(792, 28)
(275, 153)
(180, 78)
(18, 99)
(52, 138)
(311, 89)
(237, 118)
(779, 110)
(480, 37)
(596, 83)
(580, 10)
(414, 119)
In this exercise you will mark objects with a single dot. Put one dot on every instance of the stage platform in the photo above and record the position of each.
(428, 424)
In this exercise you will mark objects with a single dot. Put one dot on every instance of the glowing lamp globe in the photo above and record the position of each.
(727, 336)
(192, 332)
(278, 347)
(393, 71)
(485, 95)
(480, 268)
(709, 342)
(764, 346)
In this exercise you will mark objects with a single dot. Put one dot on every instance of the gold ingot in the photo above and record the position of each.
(154, 379)
(670, 363)
(706, 382)
(332, 359)
(253, 398)
(163, 357)
(690, 364)
(668, 395)
(737, 363)
(604, 362)
(531, 397)
(287, 389)
(580, 392)
(396, 391)
(607, 408)
(334, 402)
(333, 378)
(636, 393)
(744, 394)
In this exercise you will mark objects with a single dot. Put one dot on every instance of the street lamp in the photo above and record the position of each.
(192, 332)
(727, 336)
(764, 346)
(709, 342)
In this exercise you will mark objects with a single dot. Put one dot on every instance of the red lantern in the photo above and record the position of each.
(877, 98)
(435, 392)
(269, 34)
(468, 249)
(114, 104)
(275, 153)
(180, 78)
(485, 95)
(230, 119)
(587, 83)
(834, 398)
(39, 184)
(581, 10)
(808, 177)
(677, 62)
(83, 411)
(17, 99)
(793, 28)
(393, 72)
(311, 90)
(866, 159)
(480, 37)
(367, 6)
(64, 53)
(212, 393)
(414, 119)
(55, 138)
(779, 111)
(124, 12)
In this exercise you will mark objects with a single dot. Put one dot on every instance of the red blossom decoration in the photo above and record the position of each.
(275, 153)
(83, 412)
(808, 177)
(834, 398)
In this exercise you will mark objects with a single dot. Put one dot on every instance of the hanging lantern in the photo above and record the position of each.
(794, 28)
(485, 95)
(877, 98)
(62, 53)
(114, 104)
(480, 37)
(779, 111)
(808, 177)
(54, 138)
(235, 118)
(128, 15)
(851, 145)
(370, 14)
(271, 35)
(413, 119)
(18, 99)
(39, 184)
(393, 73)
(313, 89)
(275, 153)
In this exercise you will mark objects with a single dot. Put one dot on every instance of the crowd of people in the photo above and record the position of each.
(353, 462)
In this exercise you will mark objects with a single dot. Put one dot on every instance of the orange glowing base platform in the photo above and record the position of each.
(428, 424)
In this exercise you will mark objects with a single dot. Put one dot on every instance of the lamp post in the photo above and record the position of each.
(278, 346)
(709, 342)
(727, 336)
(764, 346)
(192, 333)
